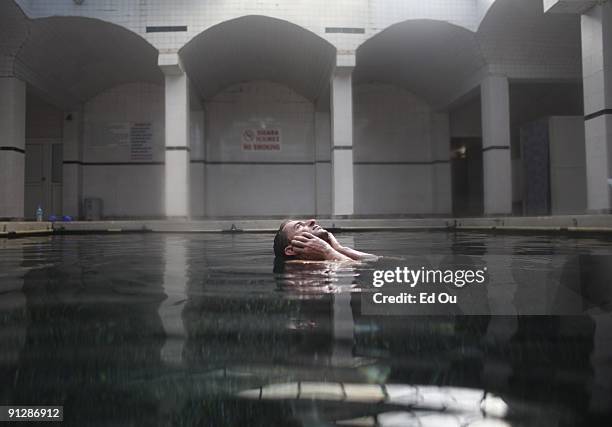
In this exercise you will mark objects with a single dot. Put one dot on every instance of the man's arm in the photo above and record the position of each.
(356, 255)
(349, 252)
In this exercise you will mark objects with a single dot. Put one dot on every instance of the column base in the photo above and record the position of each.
(598, 212)
(341, 216)
(177, 218)
(498, 215)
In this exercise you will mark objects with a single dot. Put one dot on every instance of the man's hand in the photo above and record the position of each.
(331, 239)
(310, 247)
(346, 251)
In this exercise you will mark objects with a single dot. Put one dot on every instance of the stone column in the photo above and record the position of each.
(497, 168)
(322, 168)
(72, 181)
(440, 170)
(597, 87)
(342, 136)
(177, 174)
(198, 164)
(12, 147)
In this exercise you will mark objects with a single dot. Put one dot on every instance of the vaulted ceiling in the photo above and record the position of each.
(429, 58)
(259, 48)
(435, 59)
(68, 60)
(82, 57)
(13, 31)
(520, 38)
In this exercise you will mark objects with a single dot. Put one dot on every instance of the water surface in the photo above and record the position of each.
(173, 329)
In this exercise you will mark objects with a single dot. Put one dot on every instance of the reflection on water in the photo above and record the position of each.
(171, 309)
(152, 329)
(421, 405)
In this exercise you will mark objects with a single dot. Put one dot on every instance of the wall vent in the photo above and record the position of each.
(167, 29)
(345, 30)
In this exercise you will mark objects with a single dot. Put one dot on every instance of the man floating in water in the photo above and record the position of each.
(307, 240)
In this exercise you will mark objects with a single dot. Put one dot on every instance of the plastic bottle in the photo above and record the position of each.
(39, 214)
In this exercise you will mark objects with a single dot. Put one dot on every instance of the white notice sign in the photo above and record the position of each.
(110, 134)
(141, 141)
(261, 139)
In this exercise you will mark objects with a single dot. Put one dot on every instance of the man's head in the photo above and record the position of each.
(288, 229)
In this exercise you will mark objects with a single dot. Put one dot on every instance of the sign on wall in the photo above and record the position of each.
(141, 141)
(254, 139)
(116, 134)
(137, 136)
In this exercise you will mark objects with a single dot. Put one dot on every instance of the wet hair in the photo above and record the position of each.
(281, 241)
(279, 268)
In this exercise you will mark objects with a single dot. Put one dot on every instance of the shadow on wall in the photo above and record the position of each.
(466, 172)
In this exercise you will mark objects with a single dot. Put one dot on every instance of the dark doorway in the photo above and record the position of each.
(466, 170)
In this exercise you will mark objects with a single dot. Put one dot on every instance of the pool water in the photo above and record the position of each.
(203, 329)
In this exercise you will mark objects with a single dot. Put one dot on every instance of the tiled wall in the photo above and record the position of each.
(515, 37)
(567, 165)
(42, 120)
(315, 15)
(465, 120)
(519, 41)
(502, 22)
(245, 182)
(516, 40)
(126, 189)
(12, 34)
(392, 150)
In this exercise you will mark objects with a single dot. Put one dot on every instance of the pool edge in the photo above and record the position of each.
(574, 224)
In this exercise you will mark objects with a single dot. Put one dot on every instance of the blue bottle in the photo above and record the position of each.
(39, 214)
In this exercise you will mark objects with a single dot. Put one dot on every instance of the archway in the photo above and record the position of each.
(68, 62)
(404, 78)
(262, 81)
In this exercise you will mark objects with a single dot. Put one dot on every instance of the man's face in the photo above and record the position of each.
(297, 226)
